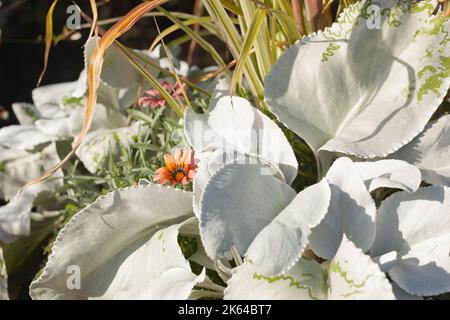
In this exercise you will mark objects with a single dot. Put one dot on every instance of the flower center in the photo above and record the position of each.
(179, 173)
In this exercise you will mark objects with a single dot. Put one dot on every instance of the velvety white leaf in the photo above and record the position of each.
(20, 167)
(3, 278)
(395, 174)
(174, 284)
(430, 151)
(15, 215)
(121, 244)
(238, 202)
(52, 94)
(351, 212)
(23, 137)
(353, 275)
(413, 240)
(304, 281)
(97, 145)
(360, 89)
(26, 113)
(281, 243)
(234, 124)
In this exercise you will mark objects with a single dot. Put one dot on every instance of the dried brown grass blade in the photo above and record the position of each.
(94, 29)
(94, 72)
(48, 38)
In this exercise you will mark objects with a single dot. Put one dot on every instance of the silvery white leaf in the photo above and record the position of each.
(20, 167)
(234, 124)
(238, 202)
(353, 275)
(281, 243)
(23, 137)
(360, 89)
(304, 281)
(98, 145)
(119, 246)
(351, 212)
(413, 240)
(430, 151)
(26, 113)
(395, 174)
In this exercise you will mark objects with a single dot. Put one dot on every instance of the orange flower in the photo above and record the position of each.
(179, 168)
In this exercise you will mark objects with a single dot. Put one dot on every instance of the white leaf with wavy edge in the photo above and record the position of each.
(20, 167)
(26, 113)
(52, 94)
(413, 240)
(238, 202)
(23, 137)
(353, 275)
(361, 91)
(15, 215)
(211, 161)
(97, 145)
(118, 243)
(281, 243)
(234, 124)
(430, 151)
(351, 212)
(304, 281)
(171, 278)
(395, 174)
(3, 278)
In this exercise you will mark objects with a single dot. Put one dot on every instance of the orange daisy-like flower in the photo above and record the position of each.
(179, 168)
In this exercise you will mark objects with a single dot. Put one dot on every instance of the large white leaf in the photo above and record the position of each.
(238, 202)
(413, 240)
(26, 113)
(362, 90)
(20, 167)
(3, 278)
(280, 244)
(234, 124)
(304, 281)
(97, 145)
(23, 137)
(15, 215)
(395, 174)
(121, 244)
(353, 275)
(52, 94)
(430, 151)
(351, 212)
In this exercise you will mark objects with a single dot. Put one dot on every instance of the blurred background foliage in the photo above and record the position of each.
(22, 24)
